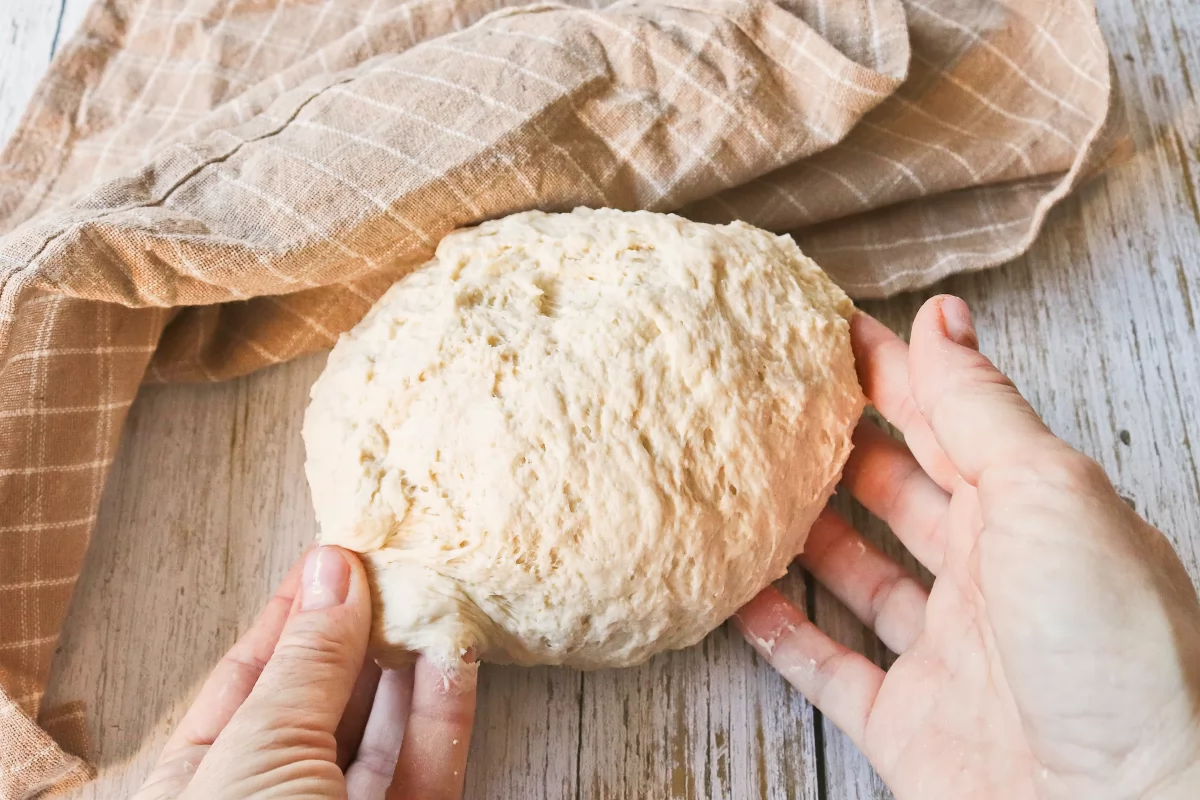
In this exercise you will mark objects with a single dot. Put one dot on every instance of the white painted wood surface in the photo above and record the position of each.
(207, 504)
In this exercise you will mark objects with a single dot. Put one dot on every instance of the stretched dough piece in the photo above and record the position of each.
(582, 438)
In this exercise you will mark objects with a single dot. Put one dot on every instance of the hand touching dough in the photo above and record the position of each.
(582, 438)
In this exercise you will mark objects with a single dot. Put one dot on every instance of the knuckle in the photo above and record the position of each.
(967, 383)
(1070, 472)
(312, 645)
(1078, 473)
(242, 668)
(878, 599)
(826, 671)
(449, 714)
(1057, 468)
(908, 414)
(376, 761)
(898, 501)
(890, 589)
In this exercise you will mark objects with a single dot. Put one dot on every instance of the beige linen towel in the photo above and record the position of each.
(204, 187)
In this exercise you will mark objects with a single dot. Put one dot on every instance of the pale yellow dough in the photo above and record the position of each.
(582, 438)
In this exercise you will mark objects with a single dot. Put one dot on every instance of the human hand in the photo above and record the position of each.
(295, 709)
(1057, 654)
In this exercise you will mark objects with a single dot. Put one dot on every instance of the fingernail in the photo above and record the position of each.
(326, 579)
(956, 318)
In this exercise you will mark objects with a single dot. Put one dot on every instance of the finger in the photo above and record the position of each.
(371, 772)
(358, 710)
(882, 474)
(881, 359)
(294, 709)
(978, 417)
(433, 758)
(841, 683)
(885, 596)
(236, 673)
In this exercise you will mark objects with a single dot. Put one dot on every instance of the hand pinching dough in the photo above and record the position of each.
(582, 438)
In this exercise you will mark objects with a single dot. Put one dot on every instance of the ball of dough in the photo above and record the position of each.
(582, 438)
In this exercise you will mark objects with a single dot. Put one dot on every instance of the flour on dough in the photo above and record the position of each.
(582, 438)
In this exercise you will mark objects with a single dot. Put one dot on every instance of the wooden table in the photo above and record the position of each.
(207, 503)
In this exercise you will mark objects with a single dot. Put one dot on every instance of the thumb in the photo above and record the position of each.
(294, 709)
(977, 415)
(321, 649)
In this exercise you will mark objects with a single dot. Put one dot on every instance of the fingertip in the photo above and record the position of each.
(333, 576)
(867, 334)
(840, 682)
(957, 325)
(862, 323)
(326, 580)
(880, 362)
(765, 600)
(766, 618)
(360, 589)
(455, 679)
(352, 558)
(976, 414)
(930, 325)
(943, 343)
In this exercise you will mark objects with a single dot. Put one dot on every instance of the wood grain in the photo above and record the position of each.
(207, 505)
(712, 721)
(28, 33)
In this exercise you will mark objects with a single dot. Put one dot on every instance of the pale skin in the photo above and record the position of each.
(296, 709)
(1056, 655)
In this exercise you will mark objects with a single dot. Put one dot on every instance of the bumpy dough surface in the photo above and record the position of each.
(582, 438)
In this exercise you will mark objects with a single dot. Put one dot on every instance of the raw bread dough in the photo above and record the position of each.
(582, 438)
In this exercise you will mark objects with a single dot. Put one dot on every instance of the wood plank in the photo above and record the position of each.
(527, 726)
(712, 721)
(27, 33)
(1097, 323)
